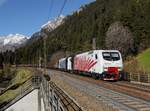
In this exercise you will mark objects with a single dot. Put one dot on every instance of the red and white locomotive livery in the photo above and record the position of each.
(104, 64)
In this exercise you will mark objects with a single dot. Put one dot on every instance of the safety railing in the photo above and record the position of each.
(55, 99)
(140, 78)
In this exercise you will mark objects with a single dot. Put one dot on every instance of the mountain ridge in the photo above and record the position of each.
(12, 41)
(104, 20)
(53, 24)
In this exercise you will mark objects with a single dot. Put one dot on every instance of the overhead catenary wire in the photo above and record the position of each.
(44, 38)
(49, 14)
(62, 8)
(50, 9)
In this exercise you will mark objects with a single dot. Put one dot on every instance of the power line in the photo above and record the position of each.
(61, 10)
(50, 9)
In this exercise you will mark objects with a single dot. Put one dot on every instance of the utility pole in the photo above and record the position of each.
(45, 63)
(15, 54)
(44, 36)
(40, 59)
(94, 43)
(15, 59)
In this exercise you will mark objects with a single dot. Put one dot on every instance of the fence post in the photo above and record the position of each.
(149, 78)
(48, 95)
(58, 103)
(130, 76)
(138, 77)
(52, 96)
(39, 100)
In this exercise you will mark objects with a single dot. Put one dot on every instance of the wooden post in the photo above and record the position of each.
(149, 78)
(94, 43)
(130, 77)
(39, 100)
(45, 54)
(138, 77)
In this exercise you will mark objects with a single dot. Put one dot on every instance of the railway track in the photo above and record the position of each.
(120, 95)
(138, 91)
(134, 86)
(129, 89)
(65, 99)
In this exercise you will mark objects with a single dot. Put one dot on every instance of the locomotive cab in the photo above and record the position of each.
(112, 65)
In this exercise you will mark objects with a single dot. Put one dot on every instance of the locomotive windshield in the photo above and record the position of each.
(111, 56)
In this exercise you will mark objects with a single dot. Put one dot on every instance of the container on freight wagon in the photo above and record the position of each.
(62, 63)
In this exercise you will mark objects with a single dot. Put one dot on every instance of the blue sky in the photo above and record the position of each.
(27, 16)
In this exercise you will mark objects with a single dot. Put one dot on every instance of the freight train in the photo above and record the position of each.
(101, 64)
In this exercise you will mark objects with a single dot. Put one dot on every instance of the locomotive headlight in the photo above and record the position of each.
(105, 69)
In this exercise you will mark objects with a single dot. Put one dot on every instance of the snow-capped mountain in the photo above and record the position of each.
(51, 25)
(11, 41)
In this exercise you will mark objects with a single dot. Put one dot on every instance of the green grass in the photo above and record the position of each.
(144, 60)
(8, 95)
(22, 75)
(139, 64)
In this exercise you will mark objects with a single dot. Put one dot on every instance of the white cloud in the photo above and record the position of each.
(2, 2)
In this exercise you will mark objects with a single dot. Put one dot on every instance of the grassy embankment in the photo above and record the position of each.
(140, 64)
(22, 74)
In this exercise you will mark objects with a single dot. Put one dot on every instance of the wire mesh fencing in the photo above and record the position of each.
(143, 78)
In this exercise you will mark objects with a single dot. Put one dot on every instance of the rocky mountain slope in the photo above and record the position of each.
(53, 24)
(47, 27)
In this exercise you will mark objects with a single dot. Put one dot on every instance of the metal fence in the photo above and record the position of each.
(55, 99)
(140, 78)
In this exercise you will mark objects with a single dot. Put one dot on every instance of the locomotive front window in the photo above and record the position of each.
(115, 56)
(111, 56)
(106, 55)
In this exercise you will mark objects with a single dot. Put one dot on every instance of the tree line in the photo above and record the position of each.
(116, 24)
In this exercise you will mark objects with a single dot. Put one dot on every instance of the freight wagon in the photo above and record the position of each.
(104, 64)
(62, 64)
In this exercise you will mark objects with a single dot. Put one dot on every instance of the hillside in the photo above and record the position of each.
(140, 63)
(117, 24)
(144, 60)
(15, 85)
